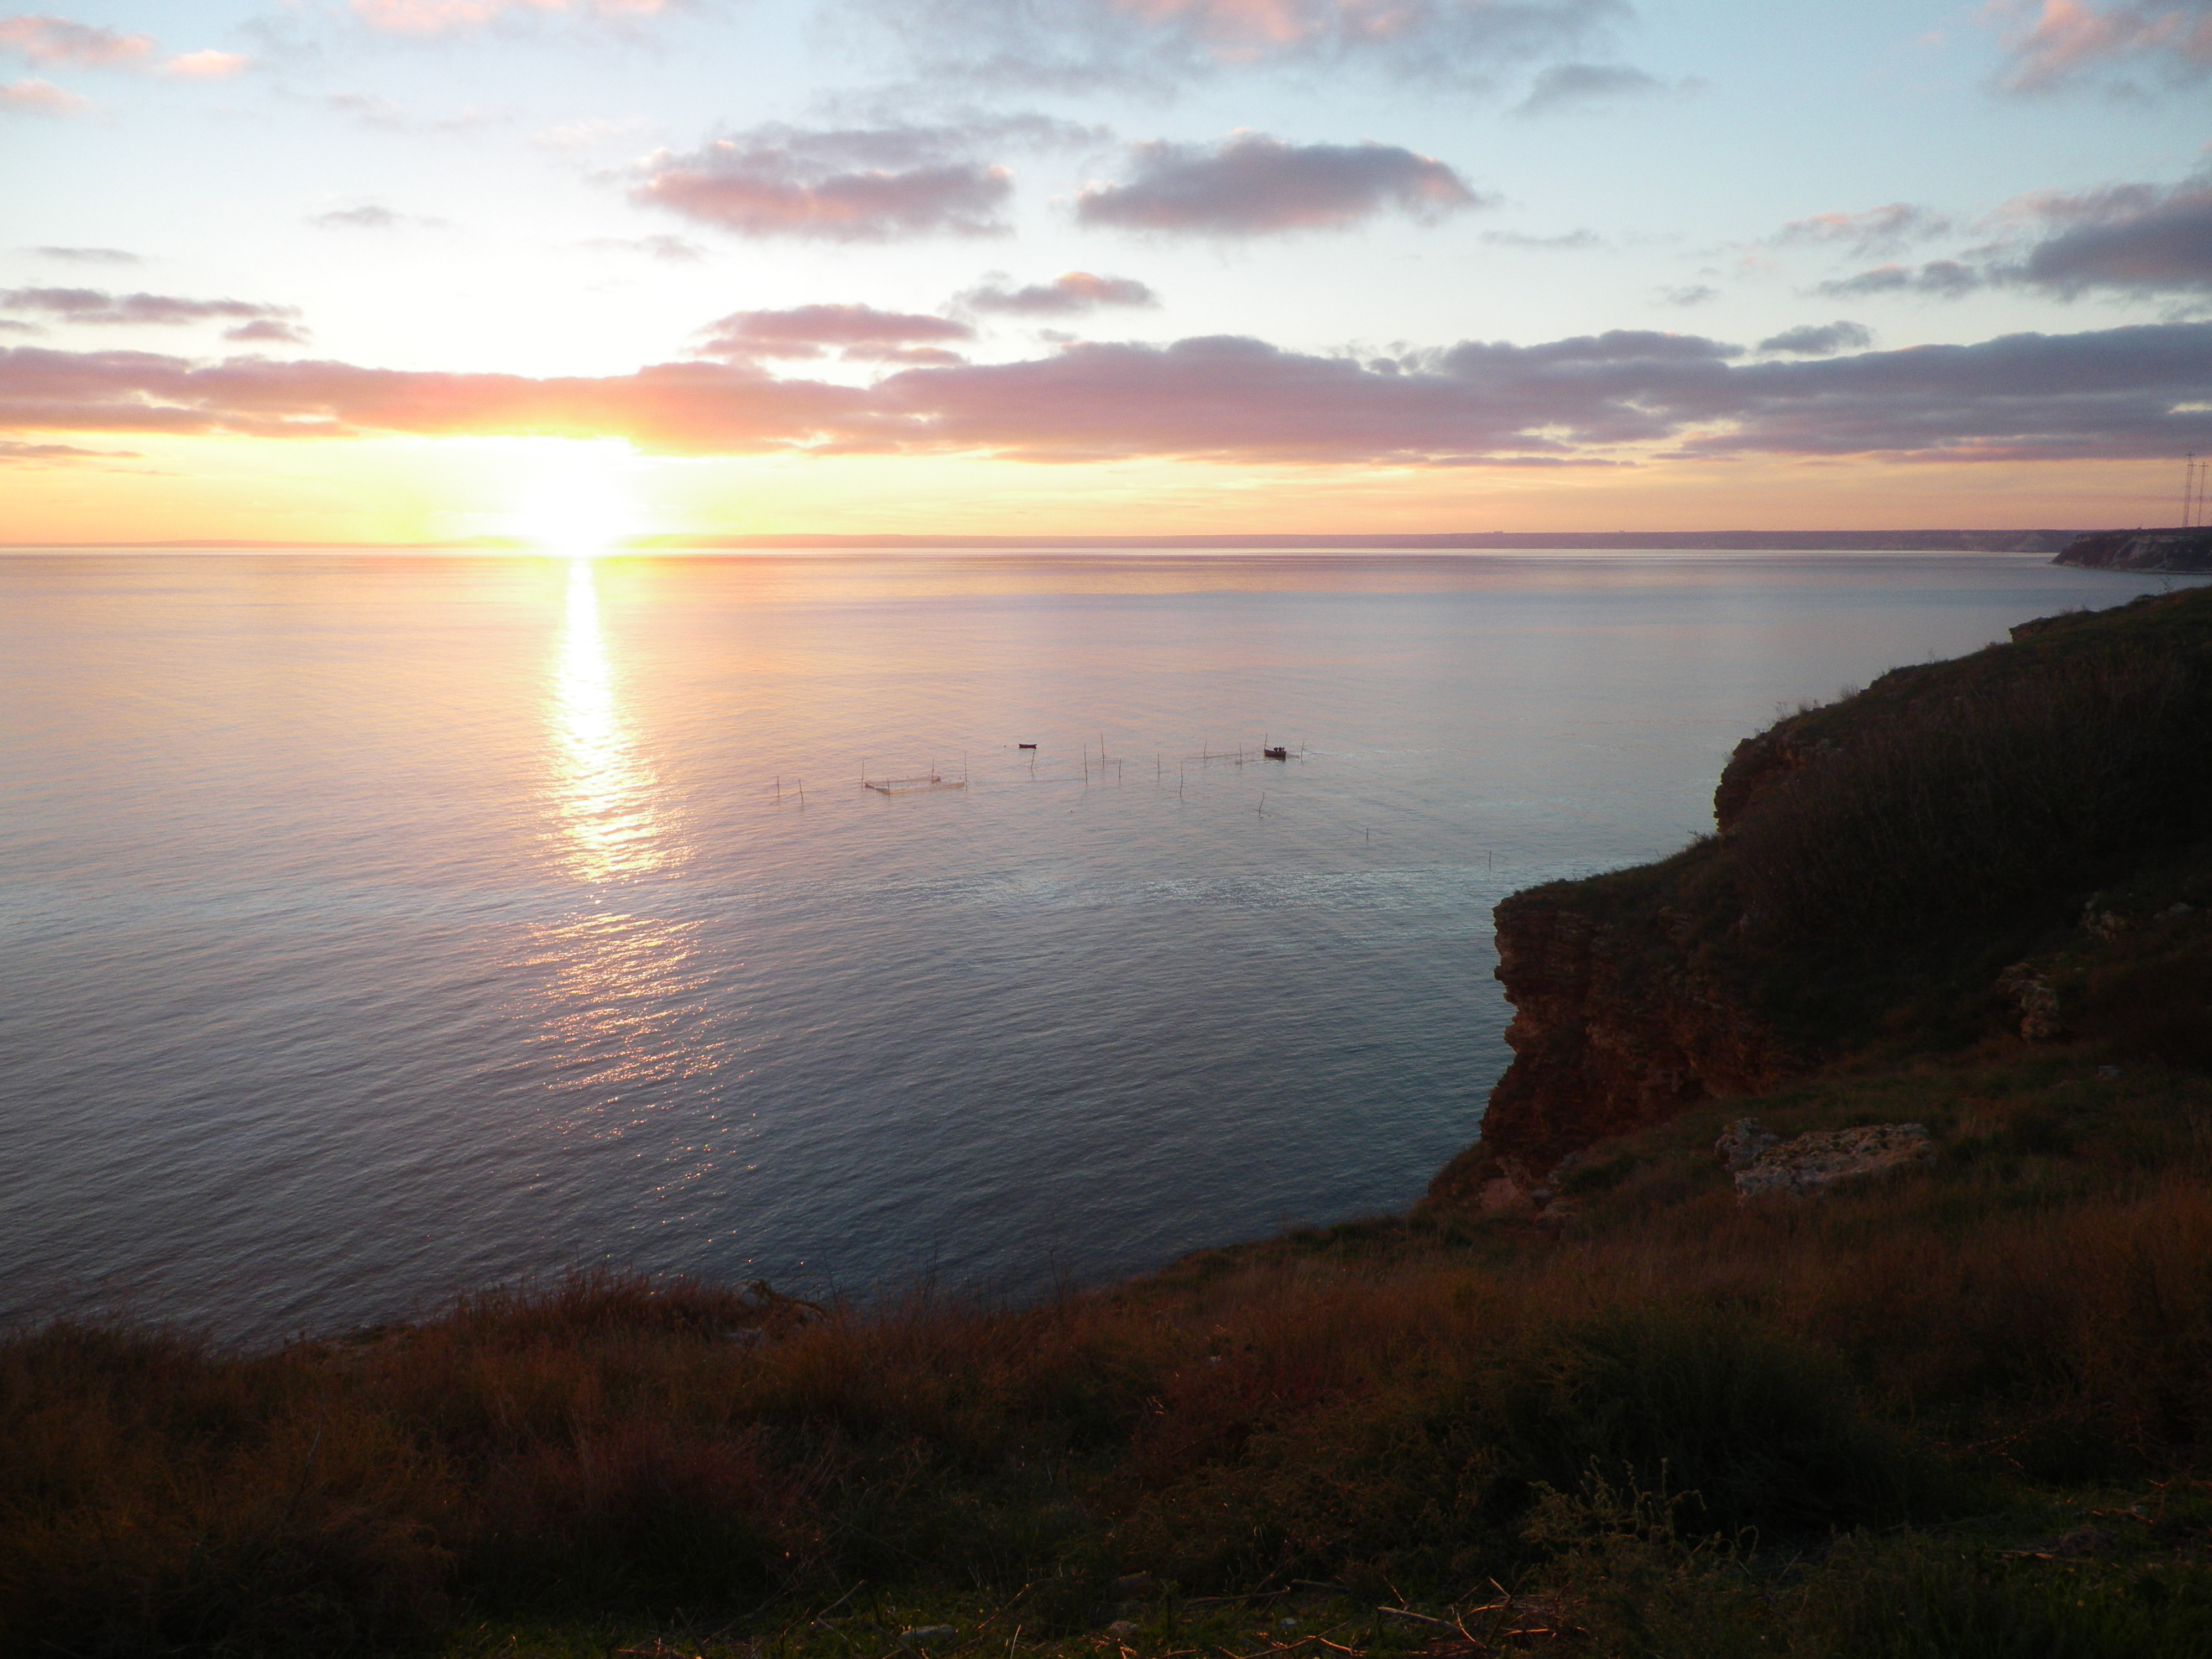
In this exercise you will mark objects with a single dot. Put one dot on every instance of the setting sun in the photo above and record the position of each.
(575, 499)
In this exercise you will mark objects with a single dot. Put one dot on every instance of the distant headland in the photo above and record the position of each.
(2183, 552)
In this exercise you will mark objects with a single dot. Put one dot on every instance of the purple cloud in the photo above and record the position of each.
(268, 330)
(1573, 85)
(1819, 339)
(2122, 392)
(13, 454)
(1066, 295)
(89, 305)
(1251, 185)
(862, 331)
(855, 185)
(1871, 233)
(2135, 237)
(47, 39)
(1945, 279)
(2071, 41)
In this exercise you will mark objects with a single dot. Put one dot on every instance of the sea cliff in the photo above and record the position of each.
(1907, 868)
(2183, 551)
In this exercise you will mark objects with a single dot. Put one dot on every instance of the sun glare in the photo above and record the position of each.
(577, 501)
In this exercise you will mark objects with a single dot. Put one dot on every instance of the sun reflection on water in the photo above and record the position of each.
(602, 792)
(622, 984)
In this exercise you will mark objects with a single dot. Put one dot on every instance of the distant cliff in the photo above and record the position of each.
(1880, 863)
(2182, 551)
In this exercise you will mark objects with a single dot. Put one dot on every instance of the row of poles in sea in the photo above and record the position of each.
(1094, 765)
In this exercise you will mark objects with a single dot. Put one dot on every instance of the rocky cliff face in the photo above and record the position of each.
(1612, 1030)
(1615, 1024)
(2182, 551)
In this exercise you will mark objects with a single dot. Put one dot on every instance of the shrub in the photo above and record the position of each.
(2020, 787)
(1752, 1428)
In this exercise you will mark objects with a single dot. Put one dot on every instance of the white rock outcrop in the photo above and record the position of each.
(1813, 1163)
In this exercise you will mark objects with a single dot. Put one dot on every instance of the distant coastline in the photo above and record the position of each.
(2177, 552)
(1733, 541)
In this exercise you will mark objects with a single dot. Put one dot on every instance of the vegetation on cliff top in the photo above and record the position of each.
(1963, 1409)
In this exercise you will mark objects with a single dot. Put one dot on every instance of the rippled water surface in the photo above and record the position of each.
(376, 927)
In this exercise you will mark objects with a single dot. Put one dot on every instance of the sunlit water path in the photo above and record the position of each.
(376, 927)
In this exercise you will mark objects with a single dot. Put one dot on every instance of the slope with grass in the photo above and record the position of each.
(1962, 1409)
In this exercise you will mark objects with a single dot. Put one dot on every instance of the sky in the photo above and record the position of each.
(575, 271)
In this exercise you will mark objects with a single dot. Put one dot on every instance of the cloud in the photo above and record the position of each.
(14, 453)
(370, 216)
(386, 116)
(37, 97)
(2069, 41)
(1151, 44)
(90, 256)
(1944, 279)
(443, 16)
(2132, 238)
(1564, 242)
(45, 40)
(1250, 185)
(594, 130)
(2112, 394)
(1869, 234)
(89, 305)
(672, 408)
(1571, 86)
(668, 250)
(1820, 339)
(2109, 394)
(864, 332)
(1693, 294)
(268, 331)
(852, 184)
(1066, 295)
(207, 65)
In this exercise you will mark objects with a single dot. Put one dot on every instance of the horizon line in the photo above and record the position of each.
(2021, 540)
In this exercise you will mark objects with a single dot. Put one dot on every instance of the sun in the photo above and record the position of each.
(576, 500)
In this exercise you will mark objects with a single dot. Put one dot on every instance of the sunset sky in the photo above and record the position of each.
(576, 269)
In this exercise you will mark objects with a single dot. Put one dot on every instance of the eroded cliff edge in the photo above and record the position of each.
(2182, 551)
(1906, 869)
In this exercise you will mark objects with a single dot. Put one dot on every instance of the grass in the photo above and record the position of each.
(1654, 1405)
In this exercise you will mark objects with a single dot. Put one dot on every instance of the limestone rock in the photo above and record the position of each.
(1743, 1141)
(2030, 992)
(1813, 1163)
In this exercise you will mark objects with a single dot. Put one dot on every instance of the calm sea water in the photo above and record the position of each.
(374, 927)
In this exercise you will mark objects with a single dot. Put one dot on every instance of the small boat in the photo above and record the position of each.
(1283, 753)
(1024, 745)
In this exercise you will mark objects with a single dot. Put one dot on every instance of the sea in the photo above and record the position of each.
(377, 927)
